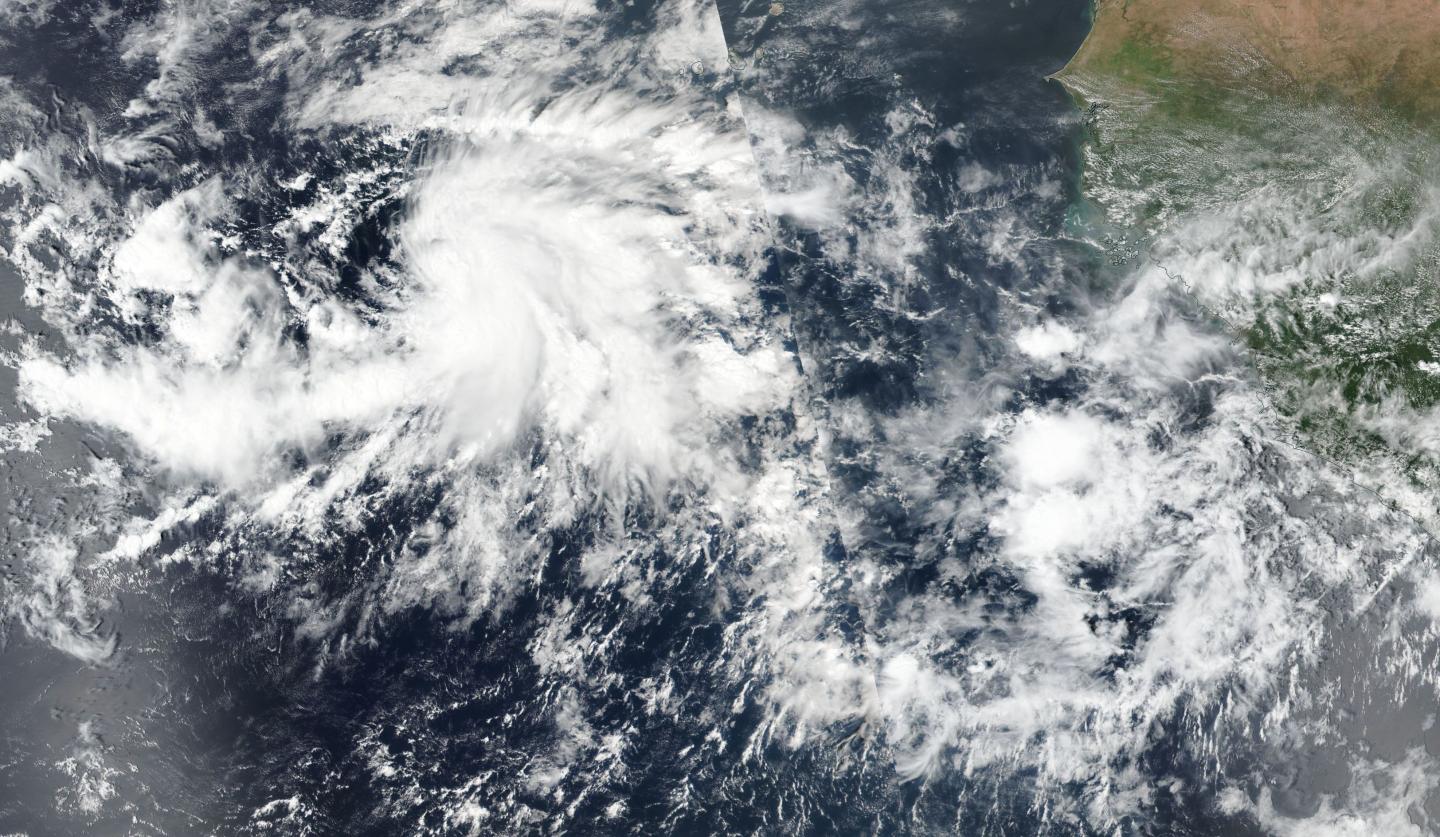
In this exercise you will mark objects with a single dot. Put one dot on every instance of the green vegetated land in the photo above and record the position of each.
(1280, 158)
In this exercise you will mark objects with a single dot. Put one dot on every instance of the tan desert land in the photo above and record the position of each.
(1381, 51)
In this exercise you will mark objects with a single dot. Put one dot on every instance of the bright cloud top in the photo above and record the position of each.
(574, 270)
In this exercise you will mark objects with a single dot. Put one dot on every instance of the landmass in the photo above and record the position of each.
(1277, 161)
(1368, 51)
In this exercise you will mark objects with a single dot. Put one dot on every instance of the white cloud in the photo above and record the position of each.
(1055, 449)
(1049, 342)
(53, 604)
(548, 288)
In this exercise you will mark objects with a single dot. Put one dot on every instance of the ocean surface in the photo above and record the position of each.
(646, 418)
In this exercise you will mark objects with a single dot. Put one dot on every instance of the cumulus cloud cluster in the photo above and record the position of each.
(571, 267)
(567, 319)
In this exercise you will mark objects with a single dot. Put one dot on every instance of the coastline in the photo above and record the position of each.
(1061, 74)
